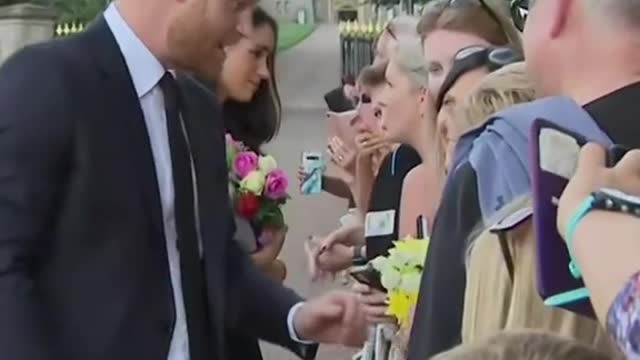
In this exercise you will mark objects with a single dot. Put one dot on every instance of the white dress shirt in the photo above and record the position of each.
(146, 71)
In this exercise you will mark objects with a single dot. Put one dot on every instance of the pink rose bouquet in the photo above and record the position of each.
(259, 186)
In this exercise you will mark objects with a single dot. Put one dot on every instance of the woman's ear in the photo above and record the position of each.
(424, 101)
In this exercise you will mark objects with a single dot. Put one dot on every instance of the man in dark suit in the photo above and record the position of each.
(115, 217)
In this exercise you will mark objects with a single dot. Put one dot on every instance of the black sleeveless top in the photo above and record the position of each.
(386, 193)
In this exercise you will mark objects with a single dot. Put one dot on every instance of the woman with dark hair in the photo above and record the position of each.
(247, 87)
(251, 107)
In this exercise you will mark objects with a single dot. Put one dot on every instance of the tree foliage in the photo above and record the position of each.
(78, 10)
(69, 10)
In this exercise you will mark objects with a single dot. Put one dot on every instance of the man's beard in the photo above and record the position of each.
(191, 47)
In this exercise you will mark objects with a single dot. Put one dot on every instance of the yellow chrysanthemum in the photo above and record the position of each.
(400, 304)
(401, 271)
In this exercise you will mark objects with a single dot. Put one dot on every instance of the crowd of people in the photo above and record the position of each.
(444, 133)
(119, 236)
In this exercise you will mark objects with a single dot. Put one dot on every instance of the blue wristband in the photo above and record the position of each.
(572, 225)
(574, 295)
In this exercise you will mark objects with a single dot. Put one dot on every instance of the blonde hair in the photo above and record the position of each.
(403, 25)
(500, 298)
(525, 345)
(408, 57)
(373, 75)
(500, 89)
(473, 19)
(481, 230)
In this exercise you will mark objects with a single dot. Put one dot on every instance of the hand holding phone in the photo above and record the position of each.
(555, 157)
(366, 274)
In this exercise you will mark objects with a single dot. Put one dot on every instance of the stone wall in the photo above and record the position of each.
(22, 25)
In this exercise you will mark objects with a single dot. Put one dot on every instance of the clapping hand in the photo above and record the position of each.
(335, 318)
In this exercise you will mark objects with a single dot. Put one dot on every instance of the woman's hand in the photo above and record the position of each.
(345, 235)
(592, 175)
(341, 154)
(327, 261)
(368, 142)
(374, 303)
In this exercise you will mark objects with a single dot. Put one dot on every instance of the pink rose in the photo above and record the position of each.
(276, 184)
(232, 143)
(244, 163)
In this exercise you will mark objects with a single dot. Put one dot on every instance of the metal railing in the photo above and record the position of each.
(68, 28)
(357, 42)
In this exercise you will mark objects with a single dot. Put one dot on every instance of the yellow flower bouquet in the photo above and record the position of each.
(400, 274)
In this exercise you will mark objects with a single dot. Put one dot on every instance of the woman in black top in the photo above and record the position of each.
(386, 193)
(251, 109)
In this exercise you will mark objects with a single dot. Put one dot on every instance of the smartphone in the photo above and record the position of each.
(555, 156)
(366, 274)
(313, 166)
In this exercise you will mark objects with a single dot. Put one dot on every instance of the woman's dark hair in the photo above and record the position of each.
(258, 121)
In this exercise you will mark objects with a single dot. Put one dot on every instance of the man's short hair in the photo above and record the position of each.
(373, 75)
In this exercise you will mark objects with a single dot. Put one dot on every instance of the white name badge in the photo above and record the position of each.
(379, 223)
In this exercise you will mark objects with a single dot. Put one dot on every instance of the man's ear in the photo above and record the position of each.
(559, 16)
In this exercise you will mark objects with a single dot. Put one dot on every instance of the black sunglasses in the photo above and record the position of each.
(494, 58)
(362, 99)
(474, 57)
(519, 12)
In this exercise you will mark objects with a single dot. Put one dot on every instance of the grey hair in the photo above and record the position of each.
(403, 25)
(408, 57)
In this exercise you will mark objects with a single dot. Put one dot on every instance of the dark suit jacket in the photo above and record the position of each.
(83, 260)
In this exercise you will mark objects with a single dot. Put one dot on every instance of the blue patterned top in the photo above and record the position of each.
(623, 320)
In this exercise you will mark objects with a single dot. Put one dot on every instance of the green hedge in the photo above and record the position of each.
(290, 34)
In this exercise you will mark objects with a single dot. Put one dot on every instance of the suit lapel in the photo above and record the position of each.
(126, 111)
(207, 147)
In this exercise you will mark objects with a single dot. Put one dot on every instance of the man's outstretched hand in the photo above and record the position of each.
(334, 318)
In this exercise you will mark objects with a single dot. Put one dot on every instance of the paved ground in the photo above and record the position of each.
(305, 73)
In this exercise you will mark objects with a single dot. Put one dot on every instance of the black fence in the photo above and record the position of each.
(357, 42)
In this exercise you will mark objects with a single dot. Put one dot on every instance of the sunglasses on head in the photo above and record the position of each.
(493, 58)
(519, 12)
(475, 57)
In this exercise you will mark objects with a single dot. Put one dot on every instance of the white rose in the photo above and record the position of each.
(410, 282)
(267, 163)
(253, 182)
(390, 278)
